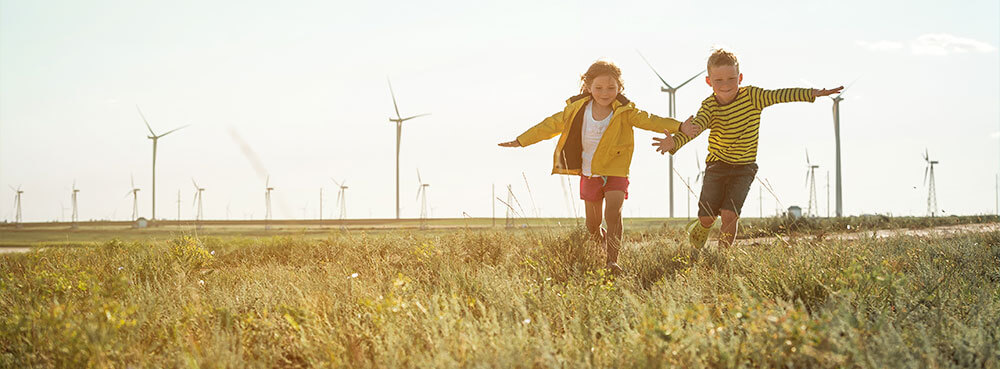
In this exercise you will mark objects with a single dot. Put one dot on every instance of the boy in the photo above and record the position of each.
(732, 114)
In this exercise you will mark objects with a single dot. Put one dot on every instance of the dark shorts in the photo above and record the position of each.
(725, 187)
(593, 188)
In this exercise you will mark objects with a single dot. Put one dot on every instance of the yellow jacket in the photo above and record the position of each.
(614, 152)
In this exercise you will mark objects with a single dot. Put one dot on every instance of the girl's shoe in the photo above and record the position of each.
(615, 269)
(697, 234)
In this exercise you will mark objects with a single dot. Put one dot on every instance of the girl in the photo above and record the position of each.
(596, 144)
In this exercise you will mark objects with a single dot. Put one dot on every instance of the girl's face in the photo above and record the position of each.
(604, 89)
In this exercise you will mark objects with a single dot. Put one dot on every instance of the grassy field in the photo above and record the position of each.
(531, 298)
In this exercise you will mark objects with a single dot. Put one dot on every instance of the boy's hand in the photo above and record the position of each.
(825, 92)
(514, 143)
(664, 145)
(690, 129)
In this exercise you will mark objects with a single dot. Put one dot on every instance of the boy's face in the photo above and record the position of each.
(725, 81)
(604, 89)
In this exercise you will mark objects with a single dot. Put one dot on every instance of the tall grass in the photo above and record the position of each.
(526, 299)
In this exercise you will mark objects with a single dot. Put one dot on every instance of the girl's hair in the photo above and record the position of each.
(601, 68)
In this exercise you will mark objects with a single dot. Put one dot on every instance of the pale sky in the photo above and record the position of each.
(304, 83)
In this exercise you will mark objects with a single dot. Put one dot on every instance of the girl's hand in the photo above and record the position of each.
(825, 92)
(664, 145)
(514, 143)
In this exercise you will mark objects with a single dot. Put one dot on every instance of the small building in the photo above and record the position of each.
(140, 223)
(794, 212)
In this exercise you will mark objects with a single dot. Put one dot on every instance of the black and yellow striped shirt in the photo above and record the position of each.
(735, 127)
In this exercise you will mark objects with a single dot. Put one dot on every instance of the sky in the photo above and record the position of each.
(304, 85)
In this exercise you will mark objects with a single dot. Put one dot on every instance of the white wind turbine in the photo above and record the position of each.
(422, 195)
(671, 92)
(153, 136)
(267, 202)
(73, 197)
(17, 204)
(197, 199)
(399, 130)
(341, 198)
(135, 199)
(813, 207)
(931, 189)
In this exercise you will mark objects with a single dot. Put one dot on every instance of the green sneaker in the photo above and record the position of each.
(697, 234)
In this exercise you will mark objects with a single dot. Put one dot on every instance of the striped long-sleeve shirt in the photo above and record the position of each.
(735, 127)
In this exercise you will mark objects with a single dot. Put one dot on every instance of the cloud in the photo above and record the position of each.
(944, 44)
(883, 45)
(931, 44)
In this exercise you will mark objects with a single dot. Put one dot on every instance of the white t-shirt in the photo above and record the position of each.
(593, 130)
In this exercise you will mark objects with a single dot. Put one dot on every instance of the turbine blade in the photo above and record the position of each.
(393, 97)
(654, 69)
(419, 189)
(690, 79)
(132, 179)
(925, 174)
(195, 184)
(807, 158)
(174, 130)
(145, 121)
(418, 177)
(415, 116)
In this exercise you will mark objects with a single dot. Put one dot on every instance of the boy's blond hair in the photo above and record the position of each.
(721, 57)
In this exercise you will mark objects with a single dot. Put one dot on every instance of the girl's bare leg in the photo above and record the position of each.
(594, 220)
(613, 216)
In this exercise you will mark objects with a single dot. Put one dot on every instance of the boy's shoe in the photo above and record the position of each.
(615, 269)
(697, 234)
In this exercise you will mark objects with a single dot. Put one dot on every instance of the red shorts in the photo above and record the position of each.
(593, 188)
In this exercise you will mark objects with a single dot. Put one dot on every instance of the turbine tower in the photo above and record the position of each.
(267, 202)
(135, 199)
(399, 131)
(422, 195)
(813, 207)
(17, 204)
(836, 135)
(197, 198)
(931, 189)
(153, 136)
(341, 198)
(671, 92)
(73, 197)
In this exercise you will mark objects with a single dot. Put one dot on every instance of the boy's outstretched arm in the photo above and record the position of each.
(825, 92)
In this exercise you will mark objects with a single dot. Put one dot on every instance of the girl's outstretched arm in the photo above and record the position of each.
(510, 144)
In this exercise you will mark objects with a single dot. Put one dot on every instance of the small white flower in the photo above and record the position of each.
(201, 282)
(355, 275)
(526, 321)
(212, 253)
(120, 268)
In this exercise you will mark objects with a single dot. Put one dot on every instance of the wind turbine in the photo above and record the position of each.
(422, 195)
(811, 185)
(17, 204)
(197, 197)
(341, 198)
(135, 199)
(931, 190)
(399, 130)
(267, 202)
(75, 213)
(836, 134)
(153, 136)
(671, 92)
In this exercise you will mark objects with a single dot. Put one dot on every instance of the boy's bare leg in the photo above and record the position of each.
(613, 215)
(706, 221)
(594, 220)
(730, 223)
